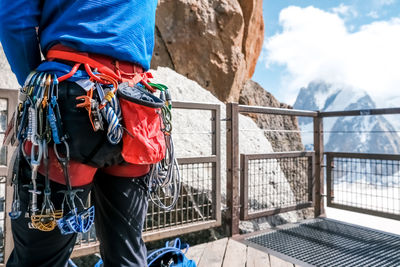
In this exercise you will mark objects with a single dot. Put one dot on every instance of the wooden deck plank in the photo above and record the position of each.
(277, 262)
(213, 254)
(235, 255)
(257, 258)
(194, 253)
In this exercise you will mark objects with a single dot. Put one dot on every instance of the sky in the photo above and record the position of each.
(354, 43)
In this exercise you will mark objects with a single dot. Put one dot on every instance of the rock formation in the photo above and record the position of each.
(216, 43)
(7, 77)
(282, 141)
(253, 32)
(290, 139)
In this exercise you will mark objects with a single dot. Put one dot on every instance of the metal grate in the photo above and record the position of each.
(194, 203)
(326, 242)
(364, 182)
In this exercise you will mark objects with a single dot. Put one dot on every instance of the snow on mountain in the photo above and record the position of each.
(362, 134)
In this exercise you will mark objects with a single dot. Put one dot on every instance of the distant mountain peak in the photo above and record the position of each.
(362, 134)
(319, 95)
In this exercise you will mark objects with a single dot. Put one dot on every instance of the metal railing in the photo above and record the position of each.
(251, 190)
(199, 203)
(259, 196)
(9, 101)
(365, 183)
(198, 206)
(268, 181)
(266, 188)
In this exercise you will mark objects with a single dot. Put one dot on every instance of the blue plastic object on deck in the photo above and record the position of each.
(171, 255)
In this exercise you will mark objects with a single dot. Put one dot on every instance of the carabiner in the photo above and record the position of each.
(62, 159)
(36, 161)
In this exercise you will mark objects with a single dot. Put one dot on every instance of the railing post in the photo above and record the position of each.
(11, 96)
(244, 187)
(216, 150)
(319, 208)
(232, 167)
(329, 187)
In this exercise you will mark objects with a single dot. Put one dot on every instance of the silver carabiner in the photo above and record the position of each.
(35, 161)
(62, 159)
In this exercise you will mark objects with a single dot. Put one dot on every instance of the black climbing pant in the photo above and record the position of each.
(120, 209)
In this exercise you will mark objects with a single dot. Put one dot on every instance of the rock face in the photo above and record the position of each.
(253, 94)
(294, 170)
(7, 77)
(253, 32)
(215, 43)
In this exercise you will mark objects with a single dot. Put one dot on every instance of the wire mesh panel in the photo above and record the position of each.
(8, 100)
(3, 126)
(275, 183)
(3, 162)
(2, 216)
(367, 183)
(196, 202)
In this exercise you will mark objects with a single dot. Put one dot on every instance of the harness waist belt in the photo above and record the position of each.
(122, 71)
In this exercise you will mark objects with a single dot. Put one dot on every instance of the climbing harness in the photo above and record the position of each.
(120, 103)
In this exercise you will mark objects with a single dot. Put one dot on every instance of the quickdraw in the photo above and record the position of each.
(47, 219)
(38, 123)
(16, 204)
(74, 221)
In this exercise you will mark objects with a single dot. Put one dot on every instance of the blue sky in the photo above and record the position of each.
(349, 42)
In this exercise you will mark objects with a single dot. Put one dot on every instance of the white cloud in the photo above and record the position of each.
(316, 45)
(345, 11)
(373, 14)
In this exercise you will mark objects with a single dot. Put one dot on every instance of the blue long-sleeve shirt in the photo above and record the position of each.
(122, 29)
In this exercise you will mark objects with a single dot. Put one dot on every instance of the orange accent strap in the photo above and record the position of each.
(70, 74)
(76, 57)
(65, 53)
